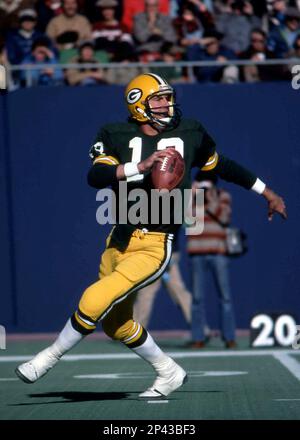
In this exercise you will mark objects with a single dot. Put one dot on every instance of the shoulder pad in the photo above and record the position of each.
(191, 124)
(119, 127)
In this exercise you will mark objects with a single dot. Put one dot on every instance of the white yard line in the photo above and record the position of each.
(175, 355)
(157, 401)
(282, 356)
(8, 379)
(286, 400)
(288, 362)
(135, 376)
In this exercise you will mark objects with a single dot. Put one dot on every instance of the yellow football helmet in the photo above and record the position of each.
(137, 96)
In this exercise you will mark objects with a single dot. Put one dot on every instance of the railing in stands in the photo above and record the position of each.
(187, 65)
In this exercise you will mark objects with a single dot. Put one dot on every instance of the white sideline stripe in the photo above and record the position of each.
(288, 362)
(8, 379)
(175, 355)
(286, 400)
(157, 401)
(149, 375)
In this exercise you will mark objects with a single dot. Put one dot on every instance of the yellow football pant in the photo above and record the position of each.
(121, 274)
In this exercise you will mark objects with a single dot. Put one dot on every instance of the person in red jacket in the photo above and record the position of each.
(133, 7)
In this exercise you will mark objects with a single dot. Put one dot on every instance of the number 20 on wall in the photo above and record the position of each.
(269, 330)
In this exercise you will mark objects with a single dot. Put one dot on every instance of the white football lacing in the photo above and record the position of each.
(164, 164)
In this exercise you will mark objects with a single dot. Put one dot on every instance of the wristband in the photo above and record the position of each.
(131, 169)
(258, 186)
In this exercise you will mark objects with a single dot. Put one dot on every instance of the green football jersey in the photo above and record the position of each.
(125, 142)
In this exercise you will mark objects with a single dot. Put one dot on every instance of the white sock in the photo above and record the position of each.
(150, 352)
(67, 339)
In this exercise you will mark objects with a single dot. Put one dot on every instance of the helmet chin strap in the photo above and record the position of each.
(164, 122)
(142, 112)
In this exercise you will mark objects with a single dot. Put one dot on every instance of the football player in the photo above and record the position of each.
(136, 255)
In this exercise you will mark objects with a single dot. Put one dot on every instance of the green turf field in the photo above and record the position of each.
(101, 380)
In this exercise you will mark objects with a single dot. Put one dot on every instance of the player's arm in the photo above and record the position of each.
(105, 164)
(132, 168)
(107, 170)
(231, 171)
(208, 159)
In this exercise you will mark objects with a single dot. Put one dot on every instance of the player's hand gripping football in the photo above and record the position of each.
(275, 204)
(157, 156)
(147, 164)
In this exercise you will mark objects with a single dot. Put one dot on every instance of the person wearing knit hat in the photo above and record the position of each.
(19, 41)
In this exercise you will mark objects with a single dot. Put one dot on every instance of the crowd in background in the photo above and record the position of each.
(52, 32)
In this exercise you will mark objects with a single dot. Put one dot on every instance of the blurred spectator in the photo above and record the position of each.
(295, 3)
(174, 7)
(85, 76)
(93, 13)
(293, 53)
(209, 4)
(282, 38)
(108, 33)
(134, 7)
(222, 6)
(125, 73)
(46, 10)
(208, 252)
(191, 26)
(9, 13)
(3, 55)
(258, 51)
(177, 5)
(45, 76)
(148, 56)
(19, 41)
(210, 49)
(152, 29)
(259, 7)
(5, 79)
(276, 13)
(170, 53)
(69, 29)
(201, 8)
(237, 25)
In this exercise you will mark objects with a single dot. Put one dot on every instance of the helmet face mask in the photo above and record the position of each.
(162, 119)
(139, 94)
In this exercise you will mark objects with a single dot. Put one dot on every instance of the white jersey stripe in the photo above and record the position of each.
(85, 320)
(134, 335)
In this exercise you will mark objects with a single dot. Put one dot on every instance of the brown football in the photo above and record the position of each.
(169, 173)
